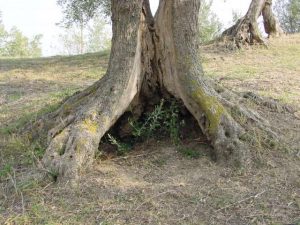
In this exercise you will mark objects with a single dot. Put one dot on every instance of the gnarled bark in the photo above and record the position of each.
(75, 129)
(271, 24)
(150, 58)
(246, 31)
(183, 77)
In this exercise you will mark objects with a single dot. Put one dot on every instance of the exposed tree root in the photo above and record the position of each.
(258, 130)
(269, 103)
(235, 102)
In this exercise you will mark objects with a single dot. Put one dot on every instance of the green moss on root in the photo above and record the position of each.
(90, 126)
(211, 107)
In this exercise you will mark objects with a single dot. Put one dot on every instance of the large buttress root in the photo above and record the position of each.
(183, 75)
(76, 128)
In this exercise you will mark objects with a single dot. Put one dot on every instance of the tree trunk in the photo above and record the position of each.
(76, 128)
(246, 31)
(271, 24)
(183, 77)
(151, 58)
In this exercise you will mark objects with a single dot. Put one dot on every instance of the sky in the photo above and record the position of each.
(40, 17)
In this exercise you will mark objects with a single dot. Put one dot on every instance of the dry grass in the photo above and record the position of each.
(31, 85)
(156, 183)
(272, 72)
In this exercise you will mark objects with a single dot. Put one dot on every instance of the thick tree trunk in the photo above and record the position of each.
(271, 24)
(177, 27)
(150, 58)
(75, 129)
(246, 31)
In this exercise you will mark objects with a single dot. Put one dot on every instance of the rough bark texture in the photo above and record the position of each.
(271, 24)
(183, 77)
(246, 31)
(75, 129)
(151, 58)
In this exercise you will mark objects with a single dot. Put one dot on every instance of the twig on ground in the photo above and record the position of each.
(241, 201)
(156, 196)
(132, 156)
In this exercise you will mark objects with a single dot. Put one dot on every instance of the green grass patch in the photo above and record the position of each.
(26, 118)
(14, 96)
(190, 152)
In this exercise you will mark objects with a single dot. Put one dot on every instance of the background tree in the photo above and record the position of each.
(77, 15)
(95, 37)
(99, 35)
(246, 30)
(209, 24)
(3, 36)
(15, 44)
(81, 12)
(35, 43)
(288, 13)
(72, 41)
(236, 15)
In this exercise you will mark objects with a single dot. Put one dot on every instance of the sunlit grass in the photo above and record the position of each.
(275, 69)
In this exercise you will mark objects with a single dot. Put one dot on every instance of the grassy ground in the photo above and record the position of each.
(156, 183)
(272, 72)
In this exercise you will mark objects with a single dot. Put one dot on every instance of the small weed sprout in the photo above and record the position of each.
(172, 123)
(122, 147)
(151, 124)
(163, 119)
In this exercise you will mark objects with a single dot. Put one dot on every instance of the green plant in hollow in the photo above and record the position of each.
(151, 123)
(162, 118)
(122, 147)
(172, 122)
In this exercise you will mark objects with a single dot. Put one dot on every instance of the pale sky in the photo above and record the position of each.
(40, 16)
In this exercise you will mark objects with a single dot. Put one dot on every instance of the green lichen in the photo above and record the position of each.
(90, 126)
(211, 107)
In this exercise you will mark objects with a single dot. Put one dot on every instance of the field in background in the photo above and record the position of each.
(272, 71)
(156, 183)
